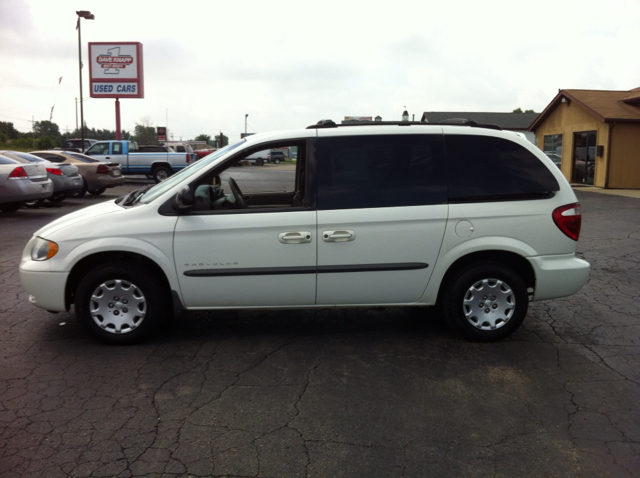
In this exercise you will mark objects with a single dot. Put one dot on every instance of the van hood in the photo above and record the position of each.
(77, 217)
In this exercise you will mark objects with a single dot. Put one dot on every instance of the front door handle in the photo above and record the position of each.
(338, 236)
(297, 237)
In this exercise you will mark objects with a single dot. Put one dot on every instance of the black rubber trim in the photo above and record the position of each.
(399, 266)
(252, 271)
(274, 271)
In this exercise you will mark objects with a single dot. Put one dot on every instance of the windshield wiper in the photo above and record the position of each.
(136, 194)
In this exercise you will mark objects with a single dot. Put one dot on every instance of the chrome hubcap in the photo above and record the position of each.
(489, 304)
(118, 306)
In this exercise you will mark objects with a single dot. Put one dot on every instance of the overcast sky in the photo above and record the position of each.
(288, 64)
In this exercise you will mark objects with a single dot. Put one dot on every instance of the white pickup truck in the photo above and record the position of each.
(157, 165)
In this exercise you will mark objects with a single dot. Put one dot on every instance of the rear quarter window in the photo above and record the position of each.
(490, 168)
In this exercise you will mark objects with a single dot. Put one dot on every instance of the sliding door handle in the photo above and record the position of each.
(338, 236)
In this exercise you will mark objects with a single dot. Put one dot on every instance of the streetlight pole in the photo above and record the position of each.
(87, 15)
(245, 124)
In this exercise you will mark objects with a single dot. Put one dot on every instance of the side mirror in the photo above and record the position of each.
(183, 202)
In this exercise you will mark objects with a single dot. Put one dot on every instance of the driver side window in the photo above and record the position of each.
(248, 184)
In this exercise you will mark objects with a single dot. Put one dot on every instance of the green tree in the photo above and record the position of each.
(48, 129)
(9, 130)
(203, 137)
(145, 132)
(46, 142)
(519, 110)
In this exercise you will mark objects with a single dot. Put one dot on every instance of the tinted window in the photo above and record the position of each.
(380, 171)
(54, 158)
(488, 168)
(23, 157)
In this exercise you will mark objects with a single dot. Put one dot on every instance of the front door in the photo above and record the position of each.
(584, 157)
(246, 259)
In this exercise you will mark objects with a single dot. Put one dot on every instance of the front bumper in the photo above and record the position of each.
(46, 289)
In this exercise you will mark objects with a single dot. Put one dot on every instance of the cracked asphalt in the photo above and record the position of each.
(383, 392)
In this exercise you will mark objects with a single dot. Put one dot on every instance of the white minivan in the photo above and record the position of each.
(464, 216)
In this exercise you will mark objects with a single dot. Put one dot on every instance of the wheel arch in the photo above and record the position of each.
(518, 263)
(161, 165)
(82, 267)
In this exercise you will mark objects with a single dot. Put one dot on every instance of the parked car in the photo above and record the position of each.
(204, 152)
(97, 175)
(276, 157)
(65, 177)
(258, 158)
(475, 220)
(77, 145)
(20, 182)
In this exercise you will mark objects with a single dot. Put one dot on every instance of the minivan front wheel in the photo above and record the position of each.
(486, 302)
(119, 304)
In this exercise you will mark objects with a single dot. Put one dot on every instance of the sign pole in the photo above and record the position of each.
(118, 129)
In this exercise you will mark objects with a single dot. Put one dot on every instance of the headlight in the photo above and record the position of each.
(43, 249)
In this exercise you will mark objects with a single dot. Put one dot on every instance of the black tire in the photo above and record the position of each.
(260, 162)
(486, 302)
(160, 173)
(10, 206)
(97, 192)
(82, 192)
(277, 161)
(57, 197)
(120, 304)
(36, 203)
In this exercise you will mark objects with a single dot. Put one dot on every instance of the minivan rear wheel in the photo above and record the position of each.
(486, 302)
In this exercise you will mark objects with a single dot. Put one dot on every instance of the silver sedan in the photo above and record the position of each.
(65, 177)
(21, 182)
(97, 175)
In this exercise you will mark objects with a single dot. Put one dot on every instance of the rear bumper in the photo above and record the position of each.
(105, 181)
(23, 190)
(559, 275)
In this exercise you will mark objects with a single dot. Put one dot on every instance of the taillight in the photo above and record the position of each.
(188, 158)
(57, 172)
(569, 219)
(102, 169)
(18, 173)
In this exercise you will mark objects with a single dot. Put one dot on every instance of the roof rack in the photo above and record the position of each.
(468, 122)
(327, 123)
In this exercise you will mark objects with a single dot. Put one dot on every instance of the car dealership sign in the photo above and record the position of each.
(116, 70)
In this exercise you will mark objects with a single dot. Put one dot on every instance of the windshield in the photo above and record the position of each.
(191, 170)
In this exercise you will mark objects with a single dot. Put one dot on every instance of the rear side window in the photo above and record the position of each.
(489, 168)
(380, 171)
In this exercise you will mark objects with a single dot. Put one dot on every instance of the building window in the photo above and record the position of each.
(553, 148)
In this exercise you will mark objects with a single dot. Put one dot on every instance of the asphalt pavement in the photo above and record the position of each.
(383, 392)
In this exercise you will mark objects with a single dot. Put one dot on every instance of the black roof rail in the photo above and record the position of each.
(327, 123)
(468, 122)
